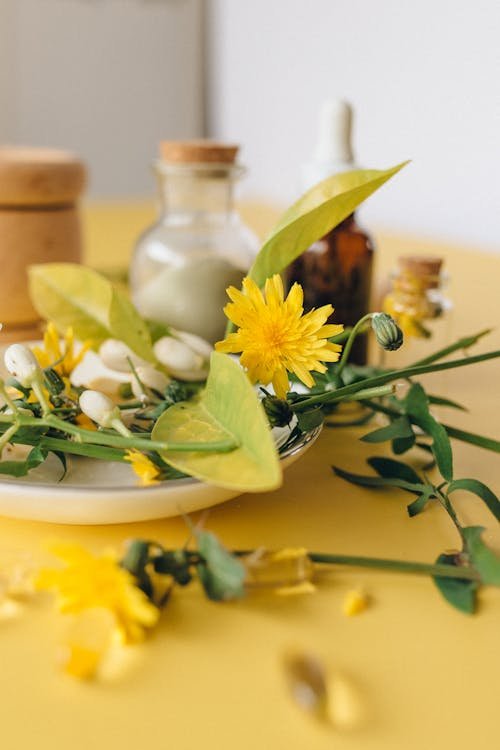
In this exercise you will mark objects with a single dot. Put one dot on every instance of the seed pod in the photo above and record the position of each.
(179, 359)
(22, 364)
(116, 355)
(99, 408)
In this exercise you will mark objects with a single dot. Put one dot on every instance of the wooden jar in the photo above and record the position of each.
(39, 223)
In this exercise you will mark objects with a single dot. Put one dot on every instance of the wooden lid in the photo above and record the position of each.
(198, 152)
(39, 177)
(421, 265)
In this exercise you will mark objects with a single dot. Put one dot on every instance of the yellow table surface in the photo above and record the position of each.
(425, 675)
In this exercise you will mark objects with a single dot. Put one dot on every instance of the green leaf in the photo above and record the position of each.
(398, 428)
(418, 505)
(21, 468)
(483, 559)
(369, 481)
(315, 214)
(440, 401)
(222, 574)
(459, 592)
(309, 420)
(489, 444)
(388, 467)
(401, 445)
(228, 408)
(481, 490)
(417, 406)
(72, 295)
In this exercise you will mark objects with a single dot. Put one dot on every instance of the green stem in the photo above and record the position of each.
(399, 566)
(448, 507)
(350, 341)
(463, 343)
(407, 372)
(118, 425)
(383, 390)
(38, 391)
(7, 435)
(7, 398)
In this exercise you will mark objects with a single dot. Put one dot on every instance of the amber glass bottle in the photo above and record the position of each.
(336, 269)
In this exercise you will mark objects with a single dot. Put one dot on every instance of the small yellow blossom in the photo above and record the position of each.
(143, 467)
(354, 603)
(52, 352)
(274, 337)
(88, 581)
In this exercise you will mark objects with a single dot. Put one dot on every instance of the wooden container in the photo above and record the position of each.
(39, 223)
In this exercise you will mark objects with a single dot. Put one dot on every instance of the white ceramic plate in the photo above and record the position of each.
(101, 492)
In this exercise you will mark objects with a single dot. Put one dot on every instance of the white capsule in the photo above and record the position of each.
(99, 408)
(196, 343)
(151, 378)
(179, 359)
(116, 355)
(22, 364)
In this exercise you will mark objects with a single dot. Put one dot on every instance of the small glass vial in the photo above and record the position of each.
(417, 301)
(183, 264)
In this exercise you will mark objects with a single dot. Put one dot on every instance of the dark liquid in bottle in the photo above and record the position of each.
(337, 270)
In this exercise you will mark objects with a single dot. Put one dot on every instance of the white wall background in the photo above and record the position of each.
(423, 76)
(106, 78)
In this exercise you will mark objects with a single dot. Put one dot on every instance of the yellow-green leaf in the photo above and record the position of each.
(315, 214)
(72, 295)
(228, 407)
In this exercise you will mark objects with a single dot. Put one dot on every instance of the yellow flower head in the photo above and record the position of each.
(52, 352)
(275, 337)
(143, 467)
(89, 581)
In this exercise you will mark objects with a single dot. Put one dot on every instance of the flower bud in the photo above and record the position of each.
(278, 411)
(149, 377)
(179, 359)
(116, 355)
(389, 335)
(22, 364)
(99, 408)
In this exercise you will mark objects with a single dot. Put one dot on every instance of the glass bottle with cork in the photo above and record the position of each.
(417, 301)
(183, 264)
(337, 269)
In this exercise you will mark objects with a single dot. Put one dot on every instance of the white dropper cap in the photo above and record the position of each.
(333, 152)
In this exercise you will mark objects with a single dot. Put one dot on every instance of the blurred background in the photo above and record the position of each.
(110, 78)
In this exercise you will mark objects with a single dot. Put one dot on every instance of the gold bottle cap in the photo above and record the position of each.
(198, 152)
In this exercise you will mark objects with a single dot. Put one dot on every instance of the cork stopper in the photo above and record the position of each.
(39, 177)
(198, 152)
(426, 267)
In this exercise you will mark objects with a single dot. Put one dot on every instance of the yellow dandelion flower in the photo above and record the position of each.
(52, 352)
(88, 581)
(274, 337)
(145, 469)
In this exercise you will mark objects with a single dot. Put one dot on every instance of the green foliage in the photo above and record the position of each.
(20, 468)
(481, 490)
(228, 408)
(482, 558)
(459, 592)
(417, 406)
(317, 212)
(76, 296)
(221, 573)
